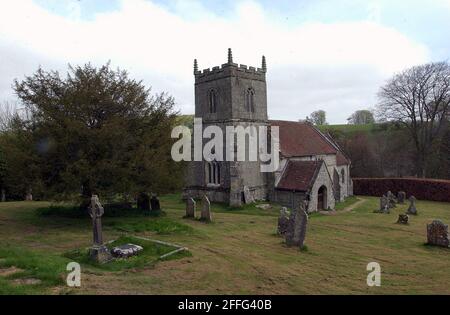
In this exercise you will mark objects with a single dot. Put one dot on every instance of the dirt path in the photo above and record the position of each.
(347, 209)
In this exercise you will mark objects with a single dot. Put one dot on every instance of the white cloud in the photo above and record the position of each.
(158, 46)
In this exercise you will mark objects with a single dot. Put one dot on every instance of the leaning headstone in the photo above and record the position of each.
(296, 231)
(412, 206)
(248, 198)
(403, 219)
(206, 210)
(283, 221)
(437, 234)
(98, 252)
(401, 196)
(154, 204)
(190, 208)
(143, 201)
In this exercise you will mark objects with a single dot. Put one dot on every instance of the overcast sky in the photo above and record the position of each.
(330, 55)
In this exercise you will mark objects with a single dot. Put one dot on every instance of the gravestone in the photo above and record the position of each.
(412, 206)
(143, 202)
(235, 186)
(29, 195)
(190, 208)
(98, 252)
(298, 221)
(154, 203)
(401, 196)
(384, 205)
(283, 221)
(125, 251)
(206, 210)
(437, 234)
(248, 198)
(392, 202)
(403, 219)
(3, 198)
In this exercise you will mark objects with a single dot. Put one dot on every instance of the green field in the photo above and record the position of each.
(239, 253)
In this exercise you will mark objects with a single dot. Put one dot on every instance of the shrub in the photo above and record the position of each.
(421, 188)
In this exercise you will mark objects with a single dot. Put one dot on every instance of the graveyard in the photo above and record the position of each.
(237, 251)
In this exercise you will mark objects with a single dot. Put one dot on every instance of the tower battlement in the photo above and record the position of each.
(230, 69)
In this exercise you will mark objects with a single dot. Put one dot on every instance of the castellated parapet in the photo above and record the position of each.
(230, 69)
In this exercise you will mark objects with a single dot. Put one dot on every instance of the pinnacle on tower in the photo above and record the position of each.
(230, 56)
(264, 65)
(195, 66)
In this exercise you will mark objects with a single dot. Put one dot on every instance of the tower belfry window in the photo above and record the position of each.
(250, 100)
(213, 176)
(212, 98)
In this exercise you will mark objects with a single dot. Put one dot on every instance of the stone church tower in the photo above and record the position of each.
(229, 95)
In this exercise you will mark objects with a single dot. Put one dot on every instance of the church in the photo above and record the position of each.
(311, 167)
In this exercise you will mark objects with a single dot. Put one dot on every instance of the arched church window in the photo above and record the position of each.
(212, 98)
(343, 176)
(250, 100)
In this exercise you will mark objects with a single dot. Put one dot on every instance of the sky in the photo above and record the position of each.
(322, 54)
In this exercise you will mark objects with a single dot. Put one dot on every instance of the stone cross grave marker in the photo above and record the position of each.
(98, 251)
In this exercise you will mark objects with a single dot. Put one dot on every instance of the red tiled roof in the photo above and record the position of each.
(341, 159)
(302, 139)
(299, 175)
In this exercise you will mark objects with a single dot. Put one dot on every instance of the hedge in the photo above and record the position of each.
(421, 188)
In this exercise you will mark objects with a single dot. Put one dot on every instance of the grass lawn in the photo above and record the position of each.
(239, 253)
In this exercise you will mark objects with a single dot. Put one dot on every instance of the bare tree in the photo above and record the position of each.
(7, 113)
(419, 98)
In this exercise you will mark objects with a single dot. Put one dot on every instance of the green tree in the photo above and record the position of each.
(97, 131)
(317, 118)
(361, 117)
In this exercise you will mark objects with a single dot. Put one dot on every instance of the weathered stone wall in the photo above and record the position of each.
(343, 183)
(323, 179)
(230, 84)
(287, 199)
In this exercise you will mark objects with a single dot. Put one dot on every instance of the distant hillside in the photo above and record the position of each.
(346, 128)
